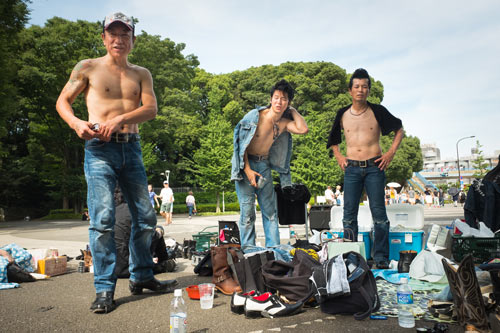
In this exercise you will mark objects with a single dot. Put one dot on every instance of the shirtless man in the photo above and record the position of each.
(262, 142)
(119, 95)
(365, 164)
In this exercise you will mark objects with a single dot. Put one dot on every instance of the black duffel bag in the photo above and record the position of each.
(291, 279)
(363, 298)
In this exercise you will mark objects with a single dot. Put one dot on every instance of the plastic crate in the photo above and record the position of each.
(204, 239)
(481, 248)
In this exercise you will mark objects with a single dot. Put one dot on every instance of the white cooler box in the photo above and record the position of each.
(365, 221)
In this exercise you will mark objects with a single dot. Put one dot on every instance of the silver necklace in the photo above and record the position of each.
(359, 114)
(276, 130)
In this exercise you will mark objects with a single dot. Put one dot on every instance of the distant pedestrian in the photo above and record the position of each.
(411, 196)
(441, 197)
(167, 201)
(338, 195)
(462, 197)
(435, 198)
(329, 196)
(191, 203)
(428, 198)
(152, 196)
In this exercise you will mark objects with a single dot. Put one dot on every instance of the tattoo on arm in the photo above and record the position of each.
(77, 80)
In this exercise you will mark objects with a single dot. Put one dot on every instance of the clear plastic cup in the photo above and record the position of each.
(206, 295)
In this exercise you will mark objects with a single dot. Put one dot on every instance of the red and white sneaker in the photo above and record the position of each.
(238, 301)
(269, 305)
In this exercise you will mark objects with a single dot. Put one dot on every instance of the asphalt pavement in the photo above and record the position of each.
(61, 303)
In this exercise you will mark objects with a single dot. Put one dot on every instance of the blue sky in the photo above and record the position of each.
(438, 60)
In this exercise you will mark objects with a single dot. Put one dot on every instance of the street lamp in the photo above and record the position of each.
(458, 159)
(166, 174)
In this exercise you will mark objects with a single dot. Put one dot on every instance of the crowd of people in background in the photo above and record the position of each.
(431, 197)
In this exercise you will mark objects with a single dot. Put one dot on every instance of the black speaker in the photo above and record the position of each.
(319, 217)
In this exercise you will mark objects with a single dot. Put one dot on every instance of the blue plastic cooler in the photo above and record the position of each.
(403, 241)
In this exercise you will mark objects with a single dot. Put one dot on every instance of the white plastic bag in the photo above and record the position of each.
(467, 231)
(427, 266)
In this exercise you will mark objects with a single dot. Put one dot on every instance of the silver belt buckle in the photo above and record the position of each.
(363, 164)
(123, 139)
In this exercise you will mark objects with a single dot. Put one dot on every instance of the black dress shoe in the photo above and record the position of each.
(153, 285)
(103, 303)
(383, 264)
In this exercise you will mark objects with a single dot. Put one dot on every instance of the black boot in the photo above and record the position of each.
(104, 302)
(153, 285)
(405, 259)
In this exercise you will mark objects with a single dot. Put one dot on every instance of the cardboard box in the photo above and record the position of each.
(52, 266)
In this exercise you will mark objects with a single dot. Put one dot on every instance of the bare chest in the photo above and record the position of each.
(363, 125)
(108, 84)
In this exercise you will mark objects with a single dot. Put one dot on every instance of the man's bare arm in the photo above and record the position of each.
(77, 83)
(251, 175)
(386, 158)
(298, 124)
(341, 159)
(145, 112)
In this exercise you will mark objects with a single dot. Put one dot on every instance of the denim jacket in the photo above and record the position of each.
(280, 152)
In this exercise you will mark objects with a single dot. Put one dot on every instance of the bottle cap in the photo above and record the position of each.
(403, 280)
(177, 292)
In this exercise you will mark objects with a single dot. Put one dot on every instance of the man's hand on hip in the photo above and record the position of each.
(385, 160)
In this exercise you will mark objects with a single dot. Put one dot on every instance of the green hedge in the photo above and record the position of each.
(61, 214)
(205, 197)
(207, 208)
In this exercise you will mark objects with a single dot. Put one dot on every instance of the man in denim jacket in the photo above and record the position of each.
(262, 142)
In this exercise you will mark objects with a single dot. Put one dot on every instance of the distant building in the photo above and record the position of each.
(441, 171)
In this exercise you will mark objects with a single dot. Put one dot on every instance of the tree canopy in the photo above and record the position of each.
(41, 158)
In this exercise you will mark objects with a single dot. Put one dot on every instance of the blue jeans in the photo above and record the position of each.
(373, 180)
(266, 197)
(190, 209)
(106, 164)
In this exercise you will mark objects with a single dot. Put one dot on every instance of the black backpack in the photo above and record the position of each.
(363, 298)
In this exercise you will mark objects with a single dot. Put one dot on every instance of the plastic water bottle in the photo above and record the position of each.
(178, 313)
(405, 304)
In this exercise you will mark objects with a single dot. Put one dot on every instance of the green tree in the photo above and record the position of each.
(13, 17)
(479, 163)
(49, 54)
(175, 131)
(212, 161)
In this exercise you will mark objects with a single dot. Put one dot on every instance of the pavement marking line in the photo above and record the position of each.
(290, 326)
(318, 320)
(277, 329)
(306, 323)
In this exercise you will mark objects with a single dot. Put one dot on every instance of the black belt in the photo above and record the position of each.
(363, 164)
(124, 137)
(258, 157)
